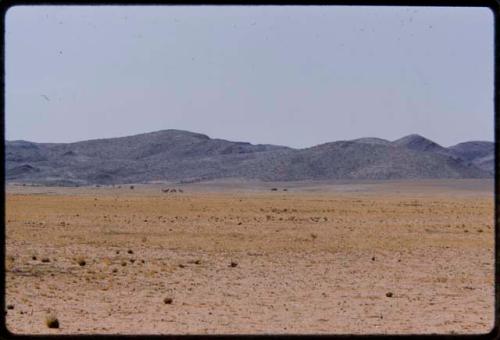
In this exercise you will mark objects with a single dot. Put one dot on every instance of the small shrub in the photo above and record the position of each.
(168, 300)
(45, 260)
(233, 264)
(51, 321)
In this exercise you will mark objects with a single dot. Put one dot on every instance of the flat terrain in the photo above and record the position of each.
(363, 257)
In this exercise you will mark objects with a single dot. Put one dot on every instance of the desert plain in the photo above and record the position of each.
(229, 258)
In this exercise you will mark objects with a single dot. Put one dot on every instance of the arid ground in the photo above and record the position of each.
(364, 257)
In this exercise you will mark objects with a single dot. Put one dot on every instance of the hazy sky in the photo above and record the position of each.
(295, 76)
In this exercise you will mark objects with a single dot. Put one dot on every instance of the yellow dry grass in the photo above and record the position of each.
(307, 262)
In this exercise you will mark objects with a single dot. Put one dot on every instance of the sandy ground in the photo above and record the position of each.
(309, 260)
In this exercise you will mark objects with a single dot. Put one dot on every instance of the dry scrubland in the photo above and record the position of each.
(413, 257)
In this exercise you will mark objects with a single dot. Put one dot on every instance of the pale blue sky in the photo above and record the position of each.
(295, 76)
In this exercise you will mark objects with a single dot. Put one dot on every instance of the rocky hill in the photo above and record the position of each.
(480, 154)
(174, 155)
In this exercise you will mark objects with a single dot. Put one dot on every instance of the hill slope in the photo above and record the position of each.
(480, 154)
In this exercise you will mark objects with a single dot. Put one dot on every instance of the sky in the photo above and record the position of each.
(287, 75)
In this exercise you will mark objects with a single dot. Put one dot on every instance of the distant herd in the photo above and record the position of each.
(172, 190)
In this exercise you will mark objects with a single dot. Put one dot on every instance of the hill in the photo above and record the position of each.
(480, 154)
(174, 155)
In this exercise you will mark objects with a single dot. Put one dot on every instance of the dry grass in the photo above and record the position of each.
(304, 262)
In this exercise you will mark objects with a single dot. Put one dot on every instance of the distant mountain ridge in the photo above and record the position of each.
(182, 156)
